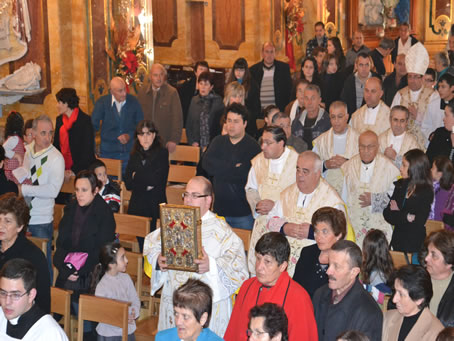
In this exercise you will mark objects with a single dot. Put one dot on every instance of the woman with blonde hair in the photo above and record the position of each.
(235, 92)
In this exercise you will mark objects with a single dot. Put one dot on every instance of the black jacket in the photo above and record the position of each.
(408, 237)
(396, 44)
(357, 311)
(390, 88)
(308, 272)
(331, 88)
(282, 81)
(377, 58)
(25, 249)
(98, 230)
(6, 186)
(252, 103)
(81, 141)
(186, 92)
(151, 170)
(445, 311)
(348, 94)
(440, 144)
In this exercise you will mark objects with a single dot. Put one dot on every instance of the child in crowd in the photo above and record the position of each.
(14, 144)
(110, 190)
(377, 265)
(443, 179)
(116, 284)
(6, 186)
(28, 135)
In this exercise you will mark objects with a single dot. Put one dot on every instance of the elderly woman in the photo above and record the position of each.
(86, 226)
(439, 263)
(73, 133)
(268, 322)
(192, 304)
(14, 217)
(412, 320)
(329, 226)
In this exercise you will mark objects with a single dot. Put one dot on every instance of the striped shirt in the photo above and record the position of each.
(267, 88)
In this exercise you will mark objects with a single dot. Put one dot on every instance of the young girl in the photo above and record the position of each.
(443, 180)
(14, 144)
(377, 267)
(116, 284)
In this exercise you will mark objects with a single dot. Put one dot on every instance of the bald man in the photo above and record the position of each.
(161, 104)
(117, 115)
(368, 184)
(292, 213)
(273, 77)
(374, 115)
(223, 265)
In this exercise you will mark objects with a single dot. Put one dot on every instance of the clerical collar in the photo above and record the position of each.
(18, 327)
(268, 67)
(443, 103)
(373, 108)
(368, 163)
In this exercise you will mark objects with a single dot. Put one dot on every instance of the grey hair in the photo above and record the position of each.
(318, 164)
(42, 117)
(386, 43)
(313, 87)
(159, 66)
(442, 57)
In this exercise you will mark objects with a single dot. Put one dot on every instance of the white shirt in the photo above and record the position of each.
(119, 105)
(275, 167)
(434, 100)
(340, 143)
(403, 48)
(433, 118)
(371, 115)
(367, 171)
(396, 141)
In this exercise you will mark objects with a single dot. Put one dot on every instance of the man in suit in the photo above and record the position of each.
(273, 77)
(404, 42)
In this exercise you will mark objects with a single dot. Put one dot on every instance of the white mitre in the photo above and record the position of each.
(417, 59)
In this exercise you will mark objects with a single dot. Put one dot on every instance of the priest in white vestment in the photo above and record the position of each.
(433, 118)
(374, 115)
(337, 145)
(396, 141)
(271, 172)
(292, 213)
(416, 97)
(223, 265)
(368, 184)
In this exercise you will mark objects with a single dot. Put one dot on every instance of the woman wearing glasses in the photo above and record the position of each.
(268, 322)
(14, 218)
(146, 172)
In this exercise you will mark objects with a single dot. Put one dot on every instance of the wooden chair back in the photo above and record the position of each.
(260, 123)
(175, 194)
(181, 173)
(132, 225)
(60, 303)
(59, 209)
(125, 197)
(399, 259)
(184, 137)
(433, 226)
(41, 243)
(245, 236)
(179, 170)
(135, 269)
(68, 186)
(185, 154)
(104, 310)
(113, 167)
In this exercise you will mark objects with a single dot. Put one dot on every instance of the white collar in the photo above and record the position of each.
(368, 166)
(282, 157)
(115, 101)
(373, 110)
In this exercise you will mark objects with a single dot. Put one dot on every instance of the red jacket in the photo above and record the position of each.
(287, 293)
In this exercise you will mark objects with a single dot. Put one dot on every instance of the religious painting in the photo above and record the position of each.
(181, 236)
(386, 13)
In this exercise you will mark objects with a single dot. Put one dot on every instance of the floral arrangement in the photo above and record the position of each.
(294, 21)
(127, 62)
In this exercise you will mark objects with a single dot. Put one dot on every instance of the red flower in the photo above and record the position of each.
(130, 62)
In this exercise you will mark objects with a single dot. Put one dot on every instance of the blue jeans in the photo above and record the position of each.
(245, 222)
(45, 231)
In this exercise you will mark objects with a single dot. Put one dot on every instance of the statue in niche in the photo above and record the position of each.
(15, 30)
(385, 13)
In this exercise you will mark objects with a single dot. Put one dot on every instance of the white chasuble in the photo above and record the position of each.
(324, 144)
(382, 178)
(381, 124)
(228, 271)
(409, 142)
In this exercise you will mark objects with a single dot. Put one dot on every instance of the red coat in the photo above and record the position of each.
(287, 293)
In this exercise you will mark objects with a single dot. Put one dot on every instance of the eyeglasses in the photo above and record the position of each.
(256, 333)
(194, 195)
(15, 296)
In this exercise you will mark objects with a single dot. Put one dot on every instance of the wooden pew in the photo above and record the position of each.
(129, 227)
(60, 303)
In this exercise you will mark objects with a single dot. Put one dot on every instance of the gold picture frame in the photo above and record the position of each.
(181, 237)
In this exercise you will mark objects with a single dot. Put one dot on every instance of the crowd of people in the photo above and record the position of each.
(350, 164)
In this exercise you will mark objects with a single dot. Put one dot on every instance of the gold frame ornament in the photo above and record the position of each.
(181, 237)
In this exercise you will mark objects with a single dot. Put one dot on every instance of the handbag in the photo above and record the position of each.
(76, 259)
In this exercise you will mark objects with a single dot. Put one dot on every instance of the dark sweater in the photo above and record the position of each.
(151, 171)
(308, 272)
(81, 141)
(440, 144)
(6, 186)
(390, 88)
(229, 166)
(408, 236)
(25, 249)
